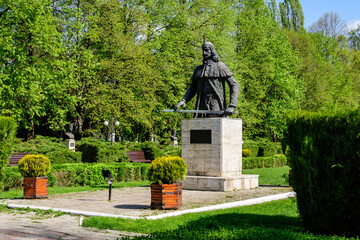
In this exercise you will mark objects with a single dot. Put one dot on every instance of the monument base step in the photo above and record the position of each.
(223, 184)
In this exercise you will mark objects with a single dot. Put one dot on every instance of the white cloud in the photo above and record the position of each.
(353, 24)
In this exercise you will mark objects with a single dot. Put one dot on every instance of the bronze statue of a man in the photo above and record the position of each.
(208, 83)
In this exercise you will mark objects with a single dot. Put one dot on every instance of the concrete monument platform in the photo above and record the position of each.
(212, 150)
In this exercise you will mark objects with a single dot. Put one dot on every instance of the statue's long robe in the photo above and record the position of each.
(217, 73)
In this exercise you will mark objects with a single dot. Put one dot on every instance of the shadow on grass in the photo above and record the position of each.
(237, 226)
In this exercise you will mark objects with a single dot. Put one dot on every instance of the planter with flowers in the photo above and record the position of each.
(34, 169)
(164, 173)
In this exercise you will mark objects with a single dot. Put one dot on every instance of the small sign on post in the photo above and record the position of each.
(108, 178)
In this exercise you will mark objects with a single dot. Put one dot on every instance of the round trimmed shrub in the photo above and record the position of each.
(34, 166)
(167, 170)
(246, 152)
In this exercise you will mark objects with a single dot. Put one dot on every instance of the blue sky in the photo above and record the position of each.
(348, 10)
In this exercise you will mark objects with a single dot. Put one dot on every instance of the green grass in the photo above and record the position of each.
(270, 176)
(273, 220)
(18, 193)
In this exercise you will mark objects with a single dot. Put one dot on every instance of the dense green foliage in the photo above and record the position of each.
(91, 174)
(166, 170)
(278, 160)
(53, 148)
(262, 148)
(98, 151)
(93, 150)
(325, 165)
(34, 166)
(8, 129)
(246, 152)
(87, 61)
(273, 221)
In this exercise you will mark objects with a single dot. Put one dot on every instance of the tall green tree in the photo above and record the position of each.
(329, 75)
(75, 23)
(31, 70)
(354, 38)
(268, 67)
(291, 15)
(128, 76)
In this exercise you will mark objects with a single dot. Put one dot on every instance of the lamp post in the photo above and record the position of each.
(112, 132)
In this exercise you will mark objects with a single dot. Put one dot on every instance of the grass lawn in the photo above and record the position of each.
(270, 176)
(18, 193)
(273, 220)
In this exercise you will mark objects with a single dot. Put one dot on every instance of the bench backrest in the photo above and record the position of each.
(137, 156)
(15, 158)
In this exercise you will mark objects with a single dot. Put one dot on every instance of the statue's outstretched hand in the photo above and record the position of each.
(229, 111)
(180, 104)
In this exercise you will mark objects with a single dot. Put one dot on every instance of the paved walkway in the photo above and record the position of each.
(126, 202)
(15, 225)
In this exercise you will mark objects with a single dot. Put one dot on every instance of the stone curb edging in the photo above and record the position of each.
(171, 214)
(227, 205)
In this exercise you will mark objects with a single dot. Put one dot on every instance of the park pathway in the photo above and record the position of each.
(126, 202)
(28, 225)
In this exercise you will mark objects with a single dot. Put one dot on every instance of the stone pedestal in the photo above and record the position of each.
(212, 150)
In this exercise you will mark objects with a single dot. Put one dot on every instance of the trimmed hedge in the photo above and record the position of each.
(264, 162)
(8, 127)
(69, 175)
(90, 174)
(262, 148)
(324, 158)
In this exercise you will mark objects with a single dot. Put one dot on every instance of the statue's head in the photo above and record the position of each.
(209, 52)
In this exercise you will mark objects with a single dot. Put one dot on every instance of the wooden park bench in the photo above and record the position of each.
(137, 156)
(15, 158)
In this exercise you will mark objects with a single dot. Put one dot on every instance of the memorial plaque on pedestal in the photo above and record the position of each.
(200, 136)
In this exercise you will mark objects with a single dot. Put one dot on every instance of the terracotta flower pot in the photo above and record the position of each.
(166, 196)
(35, 187)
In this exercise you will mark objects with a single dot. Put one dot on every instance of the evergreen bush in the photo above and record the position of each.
(167, 170)
(97, 151)
(13, 178)
(53, 148)
(34, 166)
(246, 152)
(325, 167)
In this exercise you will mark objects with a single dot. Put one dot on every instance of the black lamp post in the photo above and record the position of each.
(108, 178)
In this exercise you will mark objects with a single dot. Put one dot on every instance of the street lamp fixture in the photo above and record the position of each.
(112, 132)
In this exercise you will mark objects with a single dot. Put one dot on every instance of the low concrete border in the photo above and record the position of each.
(171, 214)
